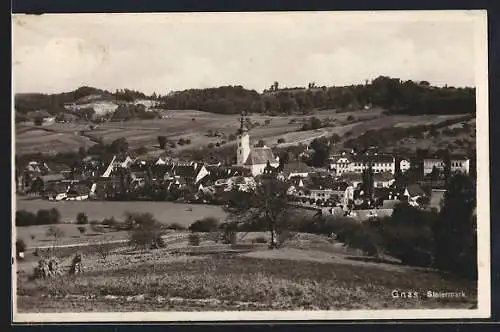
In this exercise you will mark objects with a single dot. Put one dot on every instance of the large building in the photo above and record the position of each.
(457, 164)
(254, 159)
(354, 163)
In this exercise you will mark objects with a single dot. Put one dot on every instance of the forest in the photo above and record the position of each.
(392, 94)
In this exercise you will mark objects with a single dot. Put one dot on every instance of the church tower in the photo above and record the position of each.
(243, 142)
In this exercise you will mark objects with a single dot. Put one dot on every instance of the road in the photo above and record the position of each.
(169, 239)
(323, 134)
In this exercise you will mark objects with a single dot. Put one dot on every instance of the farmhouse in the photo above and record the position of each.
(413, 192)
(254, 159)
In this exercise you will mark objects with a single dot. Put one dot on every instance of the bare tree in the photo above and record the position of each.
(56, 233)
(266, 207)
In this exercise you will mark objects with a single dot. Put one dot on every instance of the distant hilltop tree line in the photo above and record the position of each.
(54, 103)
(392, 94)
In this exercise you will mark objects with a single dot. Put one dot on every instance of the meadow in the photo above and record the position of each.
(164, 212)
(194, 125)
(298, 276)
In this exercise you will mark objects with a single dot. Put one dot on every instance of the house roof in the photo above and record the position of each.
(57, 167)
(351, 176)
(383, 176)
(189, 171)
(374, 158)
(79, 189)
(381, 192)
(297, 167)
(327, 183)
(436, 197)
(38, 114)
(260, 156)
(415, 190)
(389, 203)
(52, 177)
(57, 188)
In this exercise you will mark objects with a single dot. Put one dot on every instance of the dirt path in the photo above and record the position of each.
(324, 133)
(169, 239)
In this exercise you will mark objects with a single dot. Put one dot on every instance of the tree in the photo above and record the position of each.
(367, 184)
(321, 152)
(56, 233)
(82, 153)
(455, 233)
(315, 123)
(81, 218)
(81, 229)
(119, 145)
(20, 246)
(38, 121)
(266, 207)
(335, 138)
(47, 217)
(162, 141)
(145, 231)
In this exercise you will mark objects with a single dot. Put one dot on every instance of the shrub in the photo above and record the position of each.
(281, 140)
(350, 118)
(267, 121)
(82, 219)
(147, 232)
(25, 218)
(194, 239)
(96, 228)
(81, 229)
(48, 217)
(176, 226)
(208, 224)
(20, 246)
(260, 239)
(111, 222)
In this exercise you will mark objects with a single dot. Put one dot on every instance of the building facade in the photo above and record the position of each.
(380, 163)
(253, 159)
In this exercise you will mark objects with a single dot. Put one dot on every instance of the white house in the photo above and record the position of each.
(430, 163)
(457, 164)
(460, 164)
(254, 159)
(404, 165)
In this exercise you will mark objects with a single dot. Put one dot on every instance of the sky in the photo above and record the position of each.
(169, 52)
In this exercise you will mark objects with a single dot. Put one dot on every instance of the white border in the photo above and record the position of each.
(483, 230)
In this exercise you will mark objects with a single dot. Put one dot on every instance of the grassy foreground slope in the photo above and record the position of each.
(310, 274)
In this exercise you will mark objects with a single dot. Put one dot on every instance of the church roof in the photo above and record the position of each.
(260, 156)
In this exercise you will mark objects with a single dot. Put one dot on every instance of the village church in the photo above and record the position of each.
(255, 159)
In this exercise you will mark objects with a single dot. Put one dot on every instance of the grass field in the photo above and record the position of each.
(296, 277)
(165, 212)
(180, 124)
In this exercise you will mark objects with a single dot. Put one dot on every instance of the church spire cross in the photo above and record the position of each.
(242, 122)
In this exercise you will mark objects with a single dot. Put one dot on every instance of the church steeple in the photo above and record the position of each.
(243, 128)
(243, 141)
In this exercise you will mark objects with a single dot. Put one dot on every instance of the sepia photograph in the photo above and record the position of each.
(250, 166)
